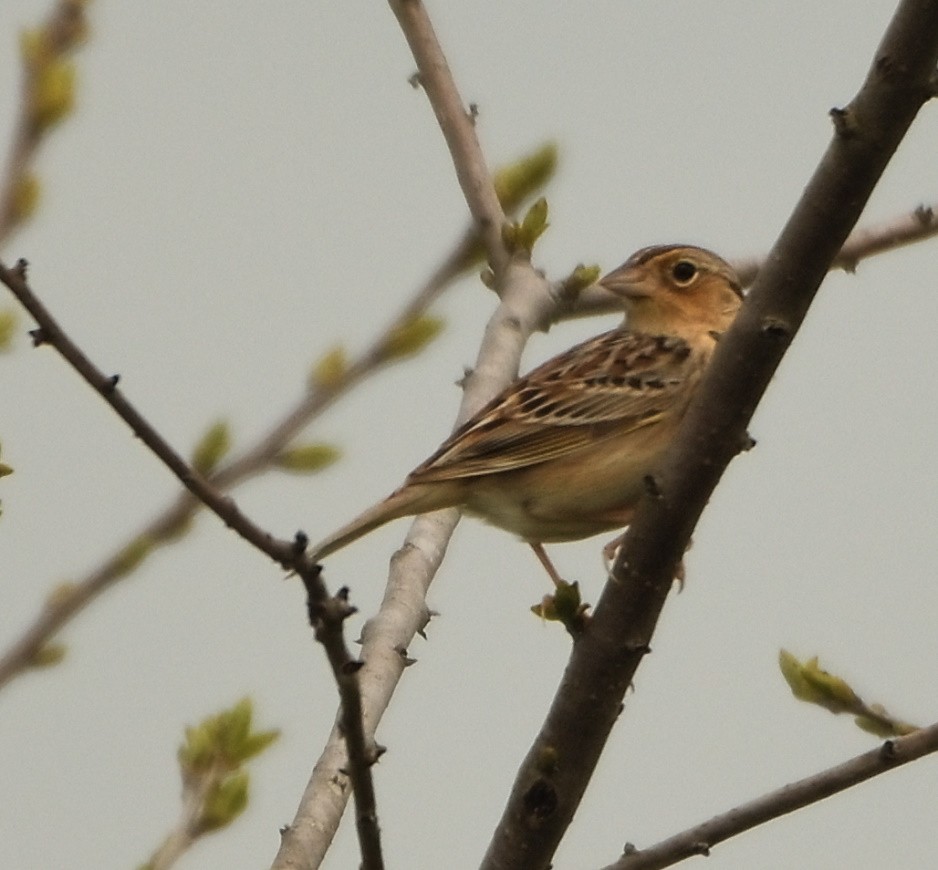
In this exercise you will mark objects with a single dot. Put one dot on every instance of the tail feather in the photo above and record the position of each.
(407, 501)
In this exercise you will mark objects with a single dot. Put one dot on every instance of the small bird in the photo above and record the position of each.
(563, 452)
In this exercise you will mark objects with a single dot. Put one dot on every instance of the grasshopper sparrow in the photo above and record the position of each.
(562, 453)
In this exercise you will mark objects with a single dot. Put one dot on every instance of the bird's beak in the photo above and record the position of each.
(626, 281)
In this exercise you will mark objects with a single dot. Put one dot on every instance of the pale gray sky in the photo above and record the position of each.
(245, 185)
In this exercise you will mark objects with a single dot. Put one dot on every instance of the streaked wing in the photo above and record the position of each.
(611, 384)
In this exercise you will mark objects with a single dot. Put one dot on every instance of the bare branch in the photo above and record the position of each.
(558, 767)
(917, 225)
(327, 617)
(49, 332)
(458, 128)
(865, 242)
(326, 613)
(167, 526)
(526, 305)
(701, 838)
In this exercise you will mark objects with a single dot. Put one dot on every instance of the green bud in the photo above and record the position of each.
(233, 727)
(224, 803)
(53, 92)
(256, 742)
(307, 458)
(8, 325)
(579, 279)
(330, 370)
(222, 742)
(833, 692)
(522, 236)
(198, 750)
(407, 339)
(25, 197)
(517, 181)
(793, 672)
(132, 555)
(212, 446)
(564, 606)
(48, 655)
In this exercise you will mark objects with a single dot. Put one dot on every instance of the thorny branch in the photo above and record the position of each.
(546, 795)
(327, 613)
(700, 839)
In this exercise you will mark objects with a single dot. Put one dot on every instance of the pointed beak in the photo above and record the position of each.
(626, 281)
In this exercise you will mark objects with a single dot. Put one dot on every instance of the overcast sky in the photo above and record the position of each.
(245, 185)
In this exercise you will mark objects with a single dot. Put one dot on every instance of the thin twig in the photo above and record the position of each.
(917, 225)
(526, 305)
(458, 128)
(185, 832)
(61, 33)
(327, 617)
(560, 763)
(51, 333)
(700, 839)
(330, 613)
(170, 522)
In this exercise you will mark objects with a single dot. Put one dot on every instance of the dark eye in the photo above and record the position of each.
(684, 271)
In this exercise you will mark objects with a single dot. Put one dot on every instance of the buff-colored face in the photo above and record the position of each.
(676, 290)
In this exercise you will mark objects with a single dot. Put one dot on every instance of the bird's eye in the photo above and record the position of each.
(683, 272)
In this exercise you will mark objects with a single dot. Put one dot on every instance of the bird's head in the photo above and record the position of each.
(676, 290)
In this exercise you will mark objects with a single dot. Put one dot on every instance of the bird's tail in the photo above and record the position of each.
(407, 501)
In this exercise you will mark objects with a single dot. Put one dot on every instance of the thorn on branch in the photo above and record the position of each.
(701, 847)
(39, 336)
(111, 383)
(775, 327)
(300, 542)
(845, 122)
(747, 443)
(415, 81)
(428, 614)
(406, 659)
(925, 215)
(473, 113)
(21, 267)
(467, 373)
(888, 751)
(372, 755)
(642, 649)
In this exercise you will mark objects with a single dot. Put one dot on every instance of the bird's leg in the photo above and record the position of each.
(610, 550)
(543, 558)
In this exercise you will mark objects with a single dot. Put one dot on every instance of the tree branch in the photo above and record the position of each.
(526, 305)
(701, 838)
(557, 769)
(46, 97)
(917, 225)
(168, 525)
(327, 614)
(457, 126)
